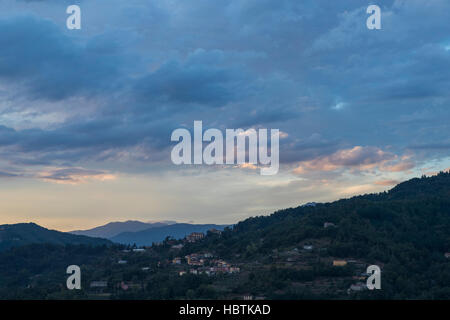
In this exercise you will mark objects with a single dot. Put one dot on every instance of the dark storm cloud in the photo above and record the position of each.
(201, 79)
(310, 68)
(38, 56)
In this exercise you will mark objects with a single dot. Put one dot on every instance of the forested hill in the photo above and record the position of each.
(15, 235)
(426, 197)
(406, 230)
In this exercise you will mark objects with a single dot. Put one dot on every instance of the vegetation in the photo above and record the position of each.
(16, 235)
(405, 231)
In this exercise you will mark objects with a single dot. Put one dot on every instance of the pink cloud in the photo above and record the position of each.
(75, 175)
(358, 157)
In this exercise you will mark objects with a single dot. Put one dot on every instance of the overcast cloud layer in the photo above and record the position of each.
(93, 109)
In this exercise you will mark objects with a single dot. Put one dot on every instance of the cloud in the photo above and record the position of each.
(46, 63)
(398, 167)
(75, 175)
(201, 79)
(387, 182)
(358, 157)
(119, 86)
(4, 174)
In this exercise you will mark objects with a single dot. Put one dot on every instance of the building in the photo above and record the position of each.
(328, 225)
(122, 262)
(181, 273)
(139, 250)
(360, 286)
(98, 285)
(177, 246)
(221, 263)
(145, 269)
(176, 260)
(339, 263)
(195, 236)
(308, 247)
(195, 259)
(447, 255)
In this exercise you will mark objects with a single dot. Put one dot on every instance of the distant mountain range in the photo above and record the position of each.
(158, 234)
(15, 235)
(145, 233)
(128, 232)
(112, 229)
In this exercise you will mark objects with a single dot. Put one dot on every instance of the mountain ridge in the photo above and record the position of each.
(19, 234)
(154, 235)
(114, 228)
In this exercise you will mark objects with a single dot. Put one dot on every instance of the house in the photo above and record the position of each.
(339, 263)
(248, 297)
(145, 268)
(195, 259)
(181, 273)
(328, 225)
(98, 284)
(139, 250)
(447, 255)
(195, 236)
(308, 247)
(122, 262)
(359, 286)
(177, 246)
(222, 263)
(193, 271)
(176, 260)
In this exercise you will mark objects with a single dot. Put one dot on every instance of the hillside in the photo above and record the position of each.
(112, 229)
(416, 212)
(290, 254)
(158, 234)
(405, 230)
(15, 235)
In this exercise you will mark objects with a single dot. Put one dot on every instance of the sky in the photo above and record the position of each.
(86, 115)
